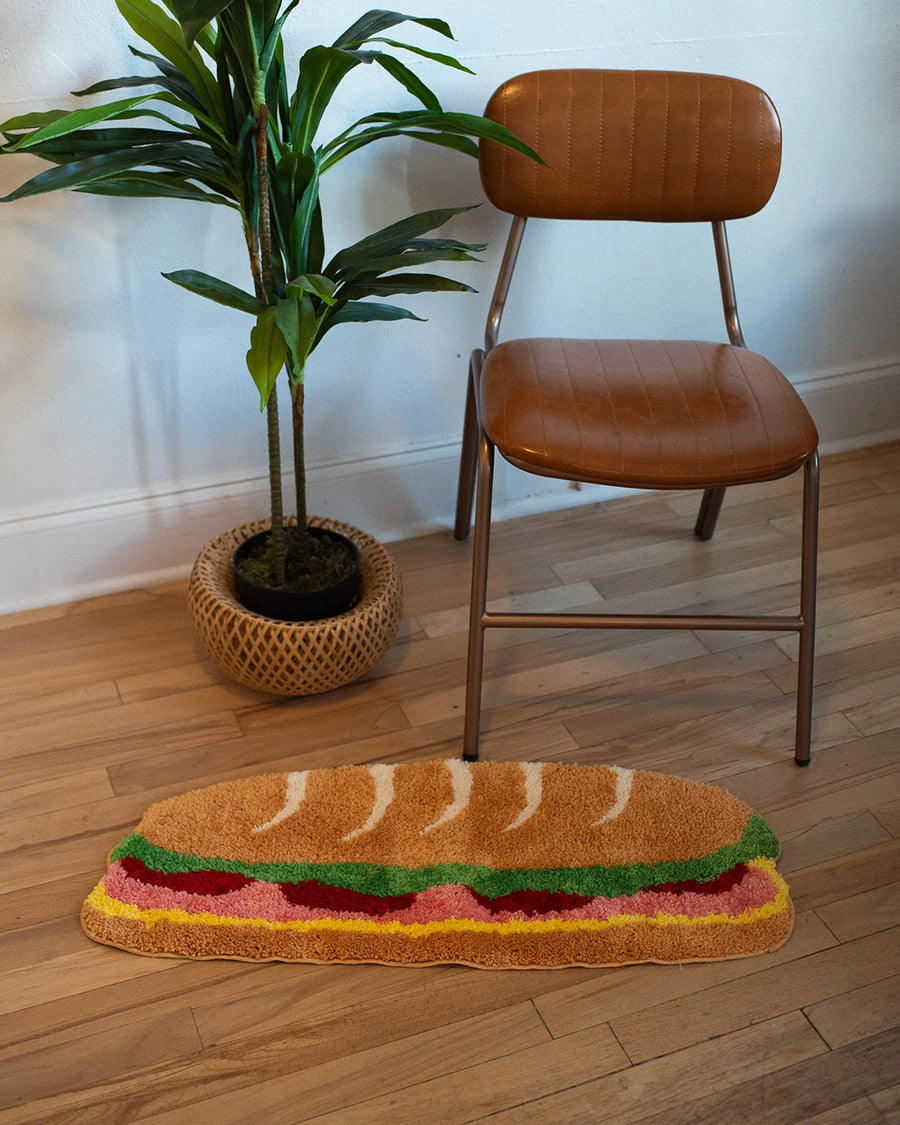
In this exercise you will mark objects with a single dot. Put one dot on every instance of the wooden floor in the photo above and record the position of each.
(109, 705)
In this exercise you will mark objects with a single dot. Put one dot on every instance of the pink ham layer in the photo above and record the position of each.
(437, 904)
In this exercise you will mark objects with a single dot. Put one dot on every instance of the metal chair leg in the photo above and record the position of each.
(475, 662)
(807, 610)
(712, 500)
(710, 506)
(468, 461)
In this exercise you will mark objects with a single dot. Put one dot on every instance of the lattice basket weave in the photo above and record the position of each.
(294, 658)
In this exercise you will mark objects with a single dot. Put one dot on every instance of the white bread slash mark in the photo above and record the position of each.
(293, 799)
(383, 776)
(461, 779)
(623, 792)
(533, 793)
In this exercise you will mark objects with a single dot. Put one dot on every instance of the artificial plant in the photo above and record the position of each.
(222, 124)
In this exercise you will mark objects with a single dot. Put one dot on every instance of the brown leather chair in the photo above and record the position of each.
(647, 146)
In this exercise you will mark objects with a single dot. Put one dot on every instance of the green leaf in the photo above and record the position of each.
(405, 283)
(208, 132)
(310, 330)
(321, 71)
(33, 120)
(154, 185)
(434, 56)
(271, 45)
(315, 283)
(292, 175)
(352, 142)
(262, 15)
(359, 311)
(206, 41)
(204, 285)
(237, 26)
(306, 225)
(267, 355)
(245, 145)
(277, 96)
(78, 173)
(465, 145)
(194, 15)
(361, 56)
(177, 82)
(448, 243)
(299, 326)
(117, 84)
(80, 119)
(177, 87)
(446, 251)
(163, 65)
(406, 123)
(91, 142)
(391, 239)
(287, 317)
(379, 20)
(411, 81)
(164, 34)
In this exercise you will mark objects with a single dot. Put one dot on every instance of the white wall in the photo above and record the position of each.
(128, 428)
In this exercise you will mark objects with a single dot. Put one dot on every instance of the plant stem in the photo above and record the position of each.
(265, 225)
(299, 548)
(266, 290)
(276, 499)
(273, 429)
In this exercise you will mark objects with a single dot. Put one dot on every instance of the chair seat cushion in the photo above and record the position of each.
(643, 413)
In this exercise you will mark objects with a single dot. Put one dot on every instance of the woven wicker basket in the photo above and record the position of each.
(294, 658)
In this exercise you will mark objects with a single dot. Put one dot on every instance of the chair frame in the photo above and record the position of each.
(477, 466)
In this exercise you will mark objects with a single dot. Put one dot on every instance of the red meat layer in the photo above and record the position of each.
(315, 895)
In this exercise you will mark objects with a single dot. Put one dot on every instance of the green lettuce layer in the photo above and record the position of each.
(608, 882)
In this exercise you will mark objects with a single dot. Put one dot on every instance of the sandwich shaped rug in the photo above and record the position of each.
(490, 864)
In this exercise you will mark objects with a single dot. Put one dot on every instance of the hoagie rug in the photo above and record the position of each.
(490, 864)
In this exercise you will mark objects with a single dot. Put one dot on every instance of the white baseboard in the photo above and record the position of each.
(854, 407)
(117, 543)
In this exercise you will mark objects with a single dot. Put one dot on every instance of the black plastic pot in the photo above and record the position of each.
(298, 605)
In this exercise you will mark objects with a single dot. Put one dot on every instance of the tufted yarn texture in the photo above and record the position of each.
(490, 864)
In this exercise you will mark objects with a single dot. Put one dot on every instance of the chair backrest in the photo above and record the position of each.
(653, 146)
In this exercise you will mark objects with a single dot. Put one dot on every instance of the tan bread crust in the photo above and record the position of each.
(632, 943)
(664, 818)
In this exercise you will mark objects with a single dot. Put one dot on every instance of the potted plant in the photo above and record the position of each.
(221, 124)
